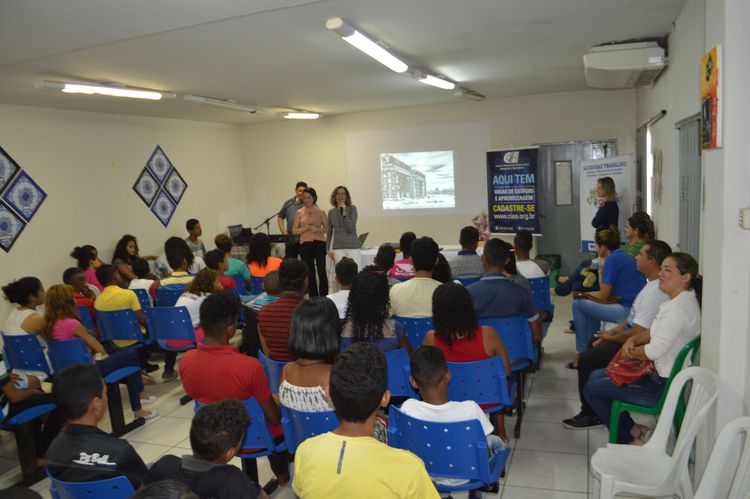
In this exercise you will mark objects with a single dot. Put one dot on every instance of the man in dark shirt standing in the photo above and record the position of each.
(287, 212)
(215, 437)
(83, 452)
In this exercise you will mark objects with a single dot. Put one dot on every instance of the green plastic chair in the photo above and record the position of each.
(618, 406)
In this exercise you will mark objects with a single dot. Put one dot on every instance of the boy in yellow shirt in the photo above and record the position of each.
(348, 462)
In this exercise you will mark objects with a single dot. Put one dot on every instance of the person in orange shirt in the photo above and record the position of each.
(259, 259)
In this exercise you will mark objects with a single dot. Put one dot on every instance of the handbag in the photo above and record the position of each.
(623, 371)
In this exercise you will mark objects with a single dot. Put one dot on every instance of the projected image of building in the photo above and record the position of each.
(400, 181)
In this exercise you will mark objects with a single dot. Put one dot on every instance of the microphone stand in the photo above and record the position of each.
(267, 223)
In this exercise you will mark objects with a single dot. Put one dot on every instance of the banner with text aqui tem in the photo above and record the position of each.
(511, 190)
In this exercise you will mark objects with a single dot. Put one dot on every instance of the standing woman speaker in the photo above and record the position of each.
(311, 225)
(608, 214)
(342, 238)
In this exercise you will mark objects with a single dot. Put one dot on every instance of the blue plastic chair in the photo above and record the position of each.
(170, 323)
(21, 426)
(451, 450)
(299, 425)
(466, 281)
(398, 374)
(86, 319)
(112, 488)
(258, 441)
(256, 285)
(120, 325)
(273, 370)
(241, 285)
(416, 328)
(72, 352)
(482, 381)
(24, 352)
(542, 300)
(143, 298)
(167, 296)
(515, 332)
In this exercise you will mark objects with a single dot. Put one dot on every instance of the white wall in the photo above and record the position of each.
(278, 154)
(88, 162)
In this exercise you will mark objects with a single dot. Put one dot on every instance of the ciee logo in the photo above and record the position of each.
(511, 157)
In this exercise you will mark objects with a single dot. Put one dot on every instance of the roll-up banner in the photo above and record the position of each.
(511, 190)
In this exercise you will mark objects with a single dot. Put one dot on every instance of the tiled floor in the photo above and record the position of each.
(547, 462)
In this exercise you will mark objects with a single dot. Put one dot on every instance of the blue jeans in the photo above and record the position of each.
(587, 315)
(119, 360)
(600, 392)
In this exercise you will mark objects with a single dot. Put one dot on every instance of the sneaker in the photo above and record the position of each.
(582, 421)
(147, 380)
(151, 368)
(168, 376)
(150, 400)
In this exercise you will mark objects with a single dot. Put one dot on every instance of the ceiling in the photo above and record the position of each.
(277, 53)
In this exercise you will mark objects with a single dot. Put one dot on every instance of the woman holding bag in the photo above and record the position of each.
(676, 323)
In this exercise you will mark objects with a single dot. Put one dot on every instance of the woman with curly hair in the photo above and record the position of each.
(125, 254)
(368, 315)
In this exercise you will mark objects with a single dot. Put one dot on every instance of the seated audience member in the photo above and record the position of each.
(368, 317)
(510, 270)
(259, 259)
(193, 241)
(165, 489)
(87, 257)
(274, 318)
(62, 323)
(216, 435)
(82, 293)
(467, 263)
(144, 279)
(125, 252)
(28, 294)
(271, 291)
(619, 284)
(430, 375)
(403, 269)
(241, 376)
(442, 270)
(458, 334)
(314, 341)
(608, 343)
(677, 322)
(162, 267)
(346, 269)
(639, 229)
(522, 244)
(496, 296)
(19, 392)
(83, 452)
(116, 298)
(340, 463)
(216, 260)
(179, 278)
(384, 261)
(413, 298)
(234, 267)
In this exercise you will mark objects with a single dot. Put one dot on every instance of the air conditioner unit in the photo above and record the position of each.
(623, 65)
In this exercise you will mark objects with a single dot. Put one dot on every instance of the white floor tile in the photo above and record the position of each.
(164, 431)
(150, 452)
(186, 411)
(597, 438)
(511, 492)
(551, 437)
(548, 470)
(549, 409)
(555, 388)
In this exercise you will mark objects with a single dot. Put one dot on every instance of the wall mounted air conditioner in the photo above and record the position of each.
(623, 65)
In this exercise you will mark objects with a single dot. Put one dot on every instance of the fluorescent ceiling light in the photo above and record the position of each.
(110, 90)
(229, 104)
(366, 45)
(437, 82)
(468, 94)
(301, 116)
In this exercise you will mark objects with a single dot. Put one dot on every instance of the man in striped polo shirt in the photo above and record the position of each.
(274, 318)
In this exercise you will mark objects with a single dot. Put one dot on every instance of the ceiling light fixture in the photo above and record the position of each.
(229, 104)
(468, 94)
(366, 45)
(435, 81)
(104, 89)
(301, 116)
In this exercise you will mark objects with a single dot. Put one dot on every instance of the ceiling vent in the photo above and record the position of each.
(624, 65)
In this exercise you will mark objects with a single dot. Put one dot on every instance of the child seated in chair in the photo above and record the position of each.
(216, 435)
(430, 375)
(144, 278)
(348, 462)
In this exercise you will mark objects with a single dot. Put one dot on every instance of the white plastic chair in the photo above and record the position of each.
(713, 483)
(649, 470)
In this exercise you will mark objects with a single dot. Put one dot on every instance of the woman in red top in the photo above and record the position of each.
(311, 225)
(458, 334)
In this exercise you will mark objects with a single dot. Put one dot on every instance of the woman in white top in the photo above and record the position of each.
(27, 293)
(203, 284)
(676, 323)
(522, 245)
(314, 340)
